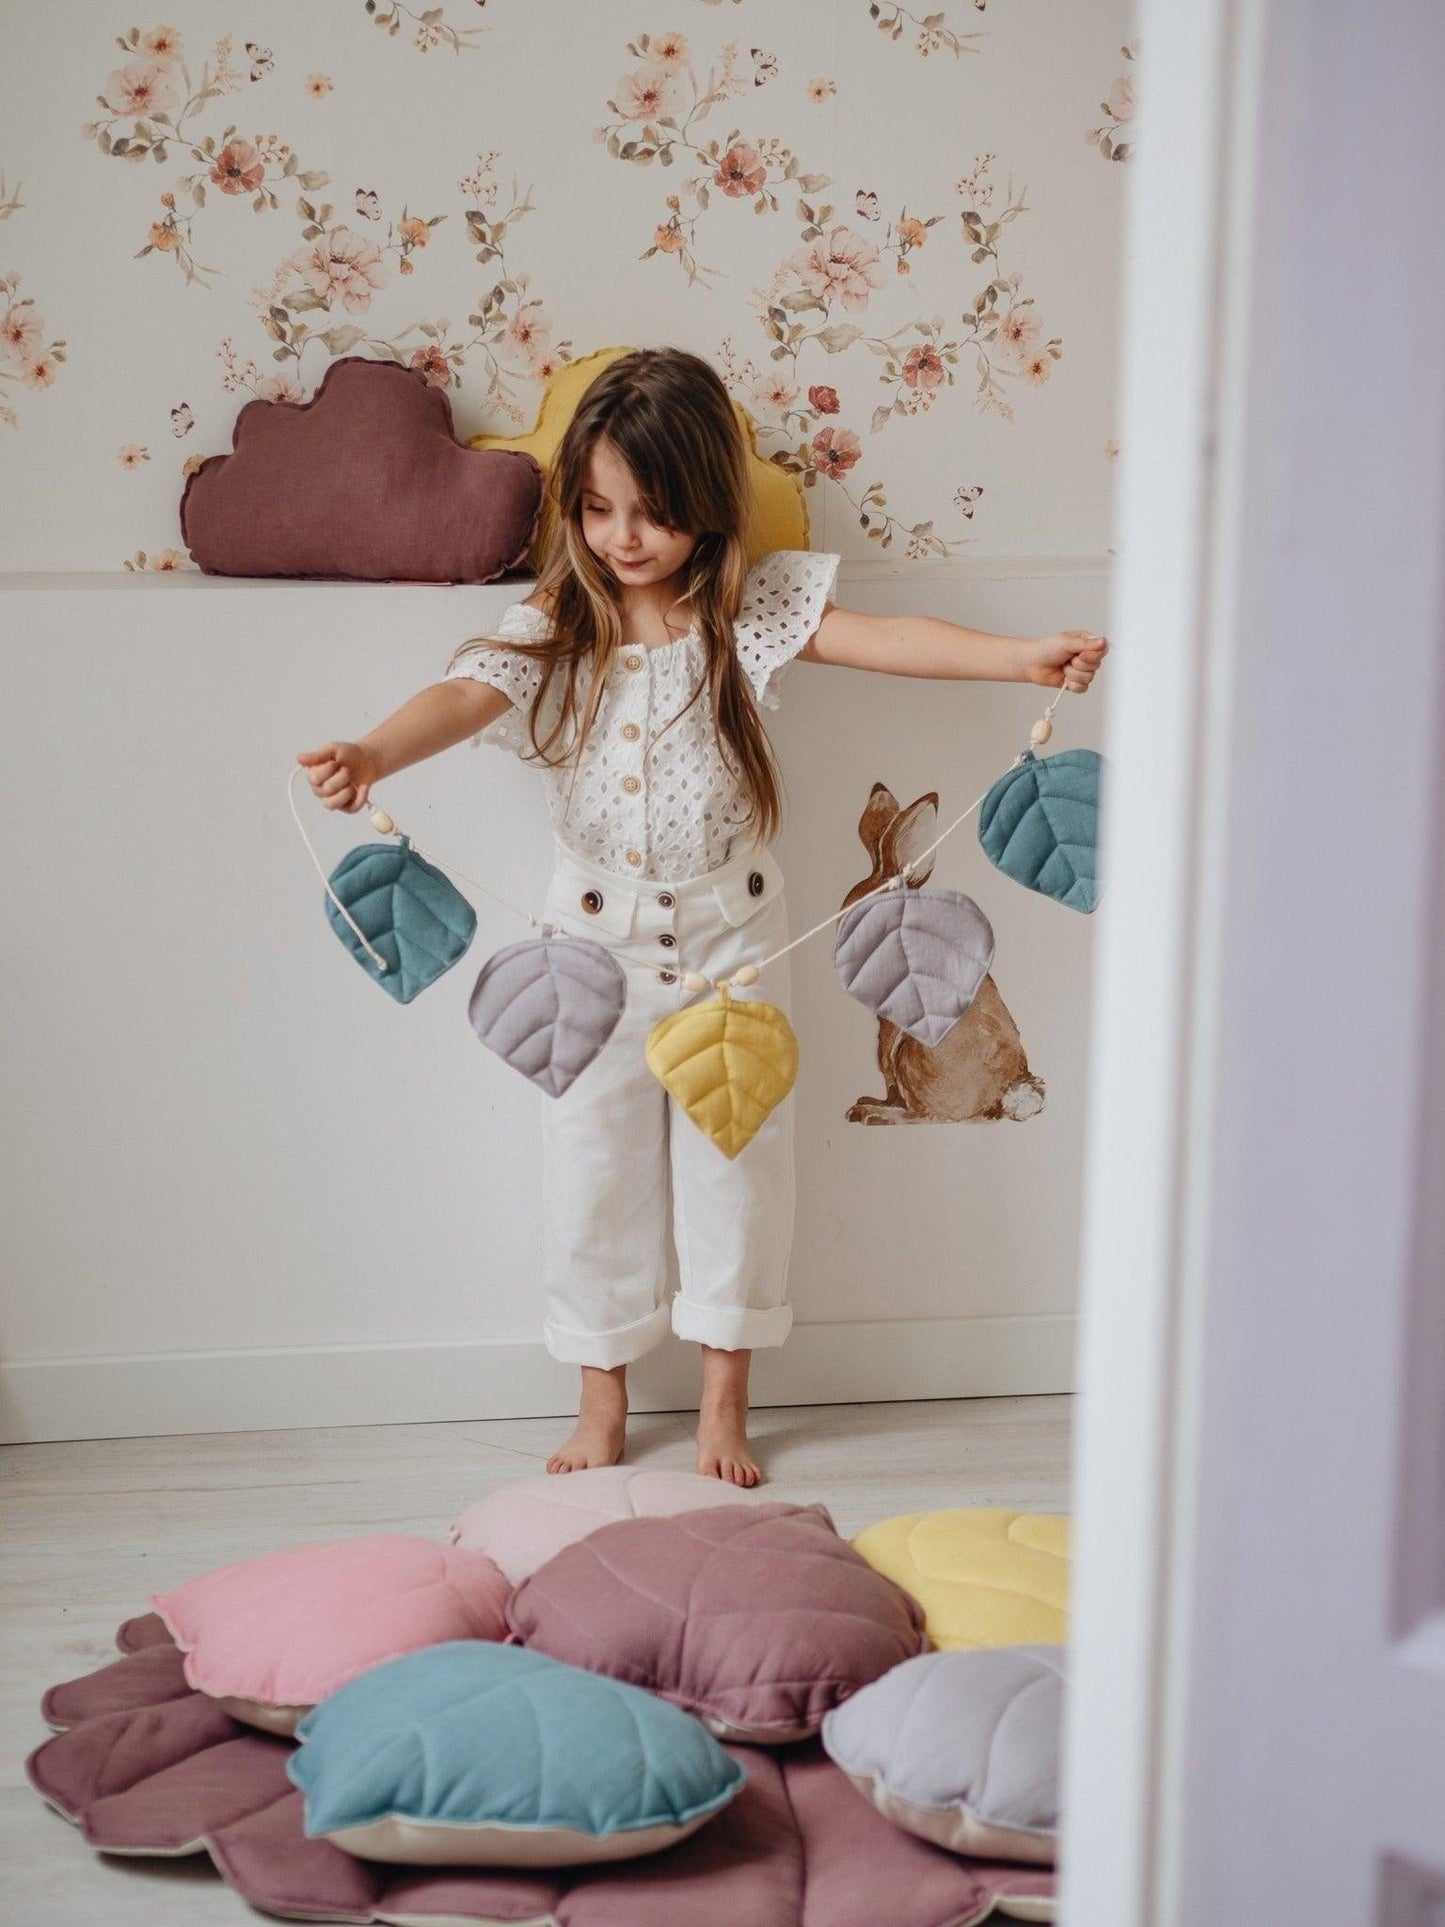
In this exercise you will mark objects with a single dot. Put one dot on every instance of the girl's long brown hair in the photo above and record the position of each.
(669, 418)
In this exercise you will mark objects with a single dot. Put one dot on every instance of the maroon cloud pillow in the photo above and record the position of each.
(364, 482)
(759, 1619)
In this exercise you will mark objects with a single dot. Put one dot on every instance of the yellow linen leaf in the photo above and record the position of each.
(728, 1063)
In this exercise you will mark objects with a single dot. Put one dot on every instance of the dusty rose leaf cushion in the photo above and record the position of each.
(526, 1522)
(366, 481)
(269, 1637)
(796, 1848)
(758, 1619)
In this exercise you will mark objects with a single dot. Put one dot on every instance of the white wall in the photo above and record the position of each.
(241, 1187)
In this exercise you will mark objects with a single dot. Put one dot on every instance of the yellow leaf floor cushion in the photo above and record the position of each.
(983, 1576)
(780, 518)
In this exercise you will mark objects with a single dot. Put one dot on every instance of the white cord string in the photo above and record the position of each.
(899, 881)
(895, 882)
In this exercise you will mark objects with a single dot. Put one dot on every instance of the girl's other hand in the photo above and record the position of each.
(1070, 658)
(341, 774)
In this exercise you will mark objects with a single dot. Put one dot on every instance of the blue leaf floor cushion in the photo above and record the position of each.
(1039, 824)
(474, 1754)
(408, 911)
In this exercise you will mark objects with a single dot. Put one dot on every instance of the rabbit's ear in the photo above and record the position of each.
(912, 829)
(878, 812)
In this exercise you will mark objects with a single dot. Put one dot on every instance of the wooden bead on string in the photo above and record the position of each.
(694, 980)
(382, 822)
(747, 975)
(1041, 731)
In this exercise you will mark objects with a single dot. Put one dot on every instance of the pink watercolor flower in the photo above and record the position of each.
(651, 93)
(318, 86)
(821, 90)
(1121, 102)
(132, 455)
(21, 332)
(835, 451)
(530, 331)
(668, 50)
(1037, 369)
(239, 169)
(40, 371)
(431, 362)
(922, 367)
(341, 266)
(414, 230)
(547, 365)
(164, 561)
(1018, 331)
(165, 238)
(144, 87)
(161, 43)
(824, 400)
(740, 173)
(840, 265)
(774, 394)
(667, 240)
(912, 232)
(280, 387)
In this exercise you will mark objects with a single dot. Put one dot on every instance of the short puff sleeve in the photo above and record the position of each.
(518, 677)
(783, 601)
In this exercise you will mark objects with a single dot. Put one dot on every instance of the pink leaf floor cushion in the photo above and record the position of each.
(798, 1847)
(270, 1636)
(758, 1619)
(365, 481)
(526, 1522)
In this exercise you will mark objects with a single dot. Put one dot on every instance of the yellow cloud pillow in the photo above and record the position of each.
(780, 518)
(983, 1576)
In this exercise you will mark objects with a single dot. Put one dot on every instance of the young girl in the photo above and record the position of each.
(634, 676)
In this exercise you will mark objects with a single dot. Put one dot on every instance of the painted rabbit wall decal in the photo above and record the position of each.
(980, 1070)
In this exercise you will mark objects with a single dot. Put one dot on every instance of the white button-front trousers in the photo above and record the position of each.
(625, 1169)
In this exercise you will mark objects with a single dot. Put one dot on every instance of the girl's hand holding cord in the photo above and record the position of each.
(635, 676)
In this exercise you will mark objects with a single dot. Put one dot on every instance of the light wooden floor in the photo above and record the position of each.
(89, 1529)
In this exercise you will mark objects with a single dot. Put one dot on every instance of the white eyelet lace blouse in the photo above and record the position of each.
(651, 801)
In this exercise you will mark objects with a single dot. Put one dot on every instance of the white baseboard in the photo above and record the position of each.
(163, 1393)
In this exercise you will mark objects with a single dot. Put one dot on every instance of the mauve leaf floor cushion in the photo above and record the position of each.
(148, 1766)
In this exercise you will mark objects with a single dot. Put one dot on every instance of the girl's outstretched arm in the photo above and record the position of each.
(928, 646)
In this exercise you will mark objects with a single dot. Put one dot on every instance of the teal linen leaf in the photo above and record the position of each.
(410, 913)
(1039, 824)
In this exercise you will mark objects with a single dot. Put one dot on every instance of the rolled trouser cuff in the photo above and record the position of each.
(730, 1328)
(606, 1349)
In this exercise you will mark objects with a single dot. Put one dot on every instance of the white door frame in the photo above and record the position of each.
(1277, 615)
(1185, 302)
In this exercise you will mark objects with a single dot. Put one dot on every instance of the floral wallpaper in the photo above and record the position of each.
(897, 235)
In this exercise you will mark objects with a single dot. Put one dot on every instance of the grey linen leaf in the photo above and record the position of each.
(915, 957)
(547, 1006)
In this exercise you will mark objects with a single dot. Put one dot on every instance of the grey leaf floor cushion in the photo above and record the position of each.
(147, 1766)
(961, 1748)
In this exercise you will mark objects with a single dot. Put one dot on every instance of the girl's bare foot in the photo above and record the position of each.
(723, 1451)
(601, 1422)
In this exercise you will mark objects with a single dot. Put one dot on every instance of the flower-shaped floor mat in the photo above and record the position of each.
(145, 1765)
